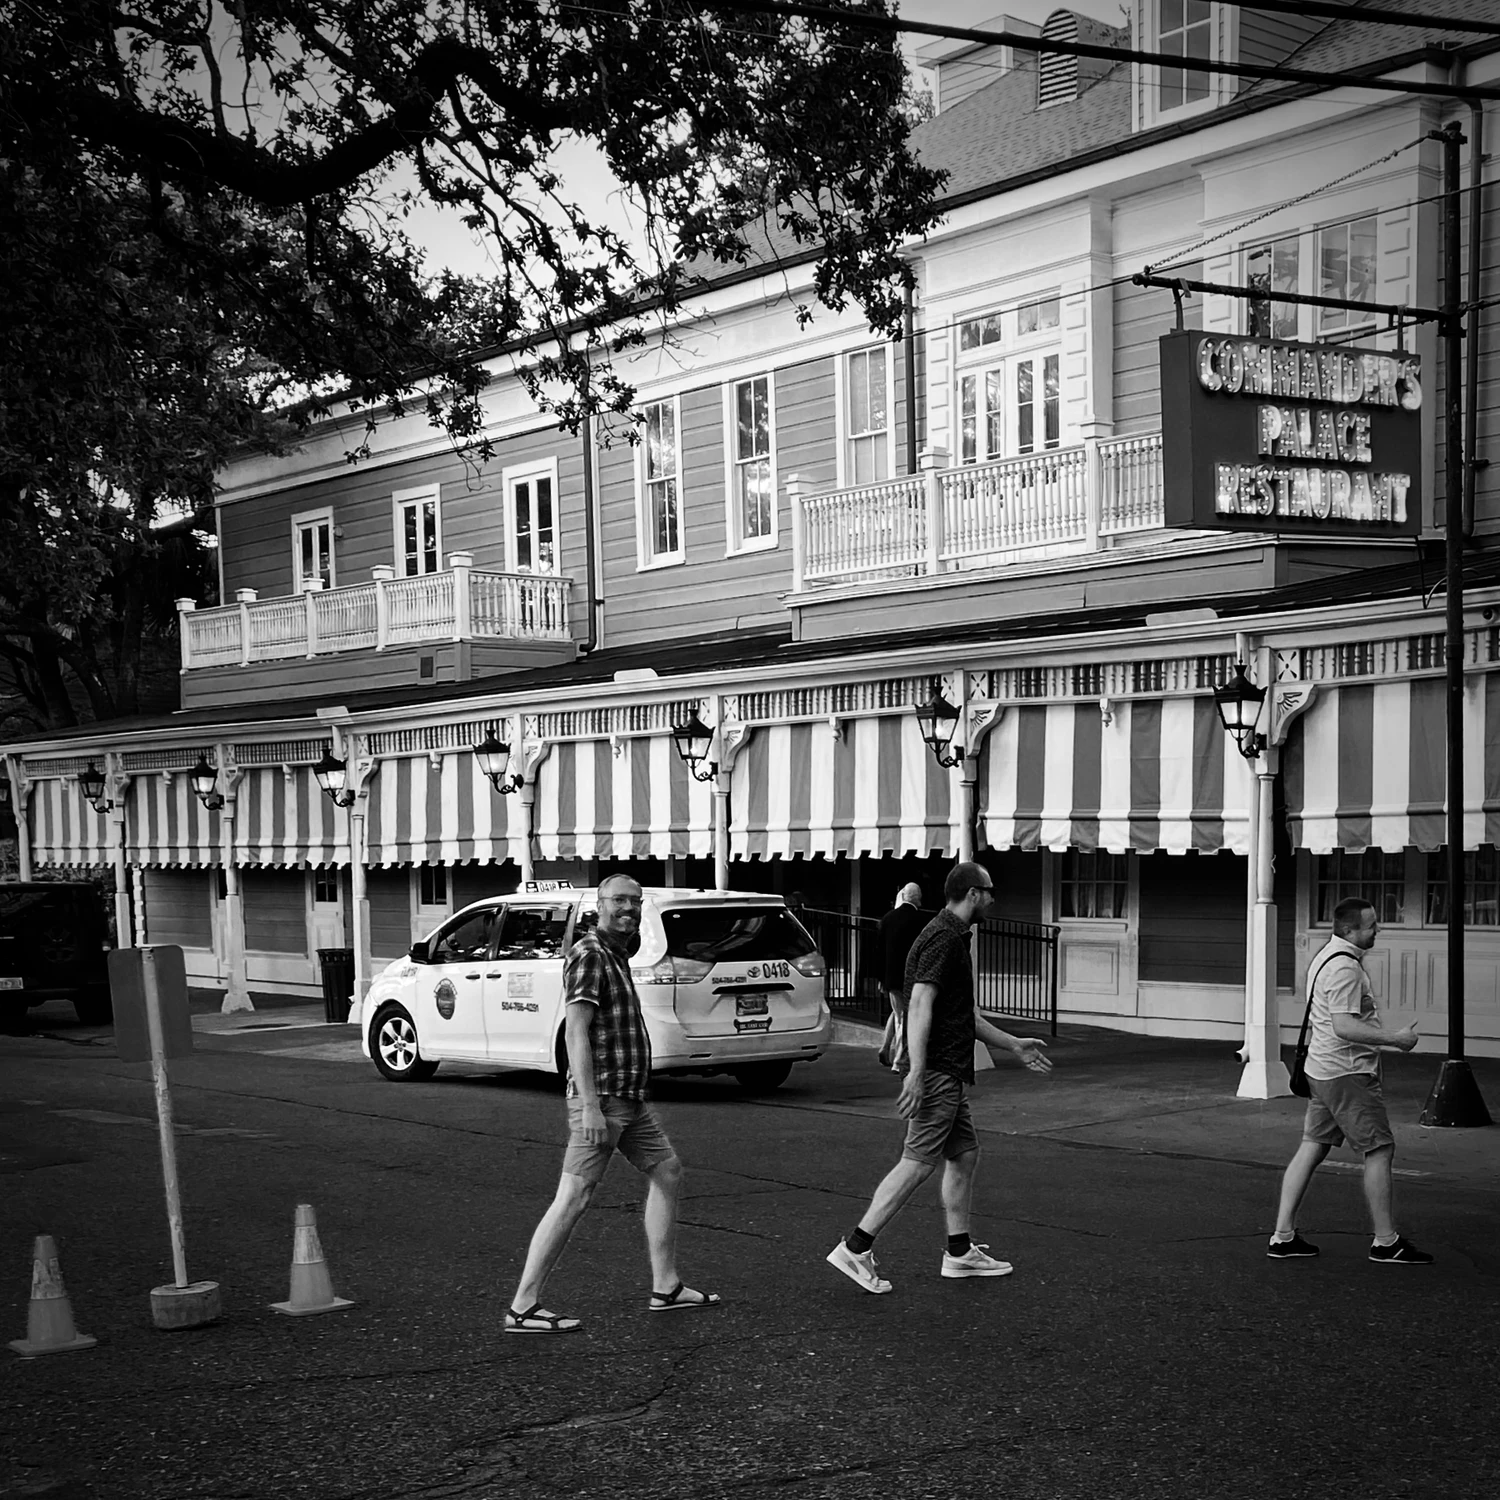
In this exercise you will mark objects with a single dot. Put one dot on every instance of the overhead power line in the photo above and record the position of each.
(827, 16)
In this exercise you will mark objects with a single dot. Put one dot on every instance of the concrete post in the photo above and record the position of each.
(360, 916)
(968, 781)
(932, 461)
(721, 831)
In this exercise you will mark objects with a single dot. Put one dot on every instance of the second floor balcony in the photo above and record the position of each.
(460, 604)
(1091, 497)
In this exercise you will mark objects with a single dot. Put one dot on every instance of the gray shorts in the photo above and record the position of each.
(634, 1131)
(1348, 1108)
(941, 1129)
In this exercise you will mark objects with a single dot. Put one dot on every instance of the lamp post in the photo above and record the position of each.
(1264, 1076)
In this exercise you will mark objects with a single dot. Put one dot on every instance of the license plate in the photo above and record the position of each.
(10, 982)
(751, 1005)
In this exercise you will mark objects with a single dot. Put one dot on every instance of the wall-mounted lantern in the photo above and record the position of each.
(333, 777)
(205, 781)
(694, 740)
(495, 759)
(1239, 702)
(938, 720)
(91, 784)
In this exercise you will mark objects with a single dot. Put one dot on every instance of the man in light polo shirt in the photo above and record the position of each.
(1343, 1069)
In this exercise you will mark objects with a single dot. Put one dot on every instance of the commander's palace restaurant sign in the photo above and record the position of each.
(1311, 439)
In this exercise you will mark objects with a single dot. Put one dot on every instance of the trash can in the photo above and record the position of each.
(337, 966)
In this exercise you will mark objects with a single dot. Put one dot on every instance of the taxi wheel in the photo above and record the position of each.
(393, 1047)
(762, 1078)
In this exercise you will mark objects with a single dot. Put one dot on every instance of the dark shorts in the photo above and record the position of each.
(1348, 1108)
(634, 1131)
(941, 1129)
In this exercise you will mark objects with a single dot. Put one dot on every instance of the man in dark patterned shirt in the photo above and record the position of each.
(942, 1023)
(609, 1067)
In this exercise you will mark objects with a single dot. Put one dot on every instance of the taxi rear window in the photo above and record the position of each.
(727, 933)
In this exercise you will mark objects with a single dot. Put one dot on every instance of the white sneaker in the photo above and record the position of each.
(860, 1268)
(974, 1262)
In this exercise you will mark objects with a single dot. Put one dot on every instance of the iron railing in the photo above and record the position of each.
(1015, 966)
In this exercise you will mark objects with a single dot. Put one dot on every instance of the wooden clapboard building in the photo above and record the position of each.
(818, 527)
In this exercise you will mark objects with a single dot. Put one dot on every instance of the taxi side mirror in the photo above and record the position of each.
(417, 953)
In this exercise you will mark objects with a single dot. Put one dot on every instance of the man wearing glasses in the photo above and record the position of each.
(609, 1066)
(942, 1024)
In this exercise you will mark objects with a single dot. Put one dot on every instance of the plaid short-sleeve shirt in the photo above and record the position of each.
(597, 973)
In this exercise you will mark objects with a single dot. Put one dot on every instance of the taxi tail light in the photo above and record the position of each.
(660, 972)
(691, 970)
(811, 965)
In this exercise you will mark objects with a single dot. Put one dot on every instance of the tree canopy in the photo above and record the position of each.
(201, 218)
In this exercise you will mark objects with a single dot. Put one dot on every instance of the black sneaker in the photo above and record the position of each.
(1402, 1253)
(1292, 1249)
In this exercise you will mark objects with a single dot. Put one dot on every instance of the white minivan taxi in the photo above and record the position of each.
(729, 982)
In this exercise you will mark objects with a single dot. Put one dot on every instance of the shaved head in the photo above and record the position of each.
(910, 893)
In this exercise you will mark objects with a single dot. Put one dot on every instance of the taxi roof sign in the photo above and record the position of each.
(548, 885)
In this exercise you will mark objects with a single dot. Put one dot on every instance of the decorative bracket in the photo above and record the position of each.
(617, 745)
(836, 729)
(982, 715)
(361, 765)
(733, 735)
(1288, 701)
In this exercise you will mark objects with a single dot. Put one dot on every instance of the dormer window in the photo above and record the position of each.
(1186, 31)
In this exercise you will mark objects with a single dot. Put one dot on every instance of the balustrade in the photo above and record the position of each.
(459, 604)
(1062, 500)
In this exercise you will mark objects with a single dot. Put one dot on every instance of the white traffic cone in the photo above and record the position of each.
(49, 1318)
(312, 1288)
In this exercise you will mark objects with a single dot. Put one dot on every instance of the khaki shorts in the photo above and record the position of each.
(634, 1131)
(1348, 1108)
(941, 1129)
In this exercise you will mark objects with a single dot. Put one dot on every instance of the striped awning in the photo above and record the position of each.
(166, 824)
(285, 818)
(65, 830)
(873, 788)
(444, 814)
(1162, 774)
(1366, 766)
(631, 799)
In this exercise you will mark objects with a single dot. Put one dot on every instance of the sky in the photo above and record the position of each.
(448, 243)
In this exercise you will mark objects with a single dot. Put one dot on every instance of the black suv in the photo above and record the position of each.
(54, 941)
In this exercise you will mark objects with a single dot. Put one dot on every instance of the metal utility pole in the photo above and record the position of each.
(1455, 1097)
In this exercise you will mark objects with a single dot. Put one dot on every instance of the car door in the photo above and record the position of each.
(450, 986)
(523, 980)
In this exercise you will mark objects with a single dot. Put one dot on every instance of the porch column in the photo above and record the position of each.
(1264, 1075)
(20, 803)
(528, 813)
(116, 784)
(236, 988)
(359, 918)
(721, 830)
(968, 778)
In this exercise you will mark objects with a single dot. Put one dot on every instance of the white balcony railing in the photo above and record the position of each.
(458, 605)
(1064, 500)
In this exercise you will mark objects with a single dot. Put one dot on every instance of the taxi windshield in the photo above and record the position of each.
(739, 934)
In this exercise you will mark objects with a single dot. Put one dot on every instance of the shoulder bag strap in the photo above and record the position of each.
(1312, 978)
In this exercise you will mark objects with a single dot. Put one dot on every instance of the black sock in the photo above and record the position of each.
(959, 1244)
(858, 1241)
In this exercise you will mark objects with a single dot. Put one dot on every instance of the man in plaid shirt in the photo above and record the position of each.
(609, 1066)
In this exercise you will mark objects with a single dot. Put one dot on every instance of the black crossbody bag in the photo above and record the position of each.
(1299, 1084)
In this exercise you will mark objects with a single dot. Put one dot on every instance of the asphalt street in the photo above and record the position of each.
(1145, 1346)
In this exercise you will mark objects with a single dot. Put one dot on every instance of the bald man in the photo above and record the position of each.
(898, 931)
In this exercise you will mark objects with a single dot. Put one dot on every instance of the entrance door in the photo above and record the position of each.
(1095, 904)
(326, 909)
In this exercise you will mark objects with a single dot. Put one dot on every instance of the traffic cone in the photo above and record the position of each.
(311, 1290)
(49, 1319)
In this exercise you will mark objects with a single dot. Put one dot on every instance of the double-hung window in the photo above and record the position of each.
(312, 550)
(419, 537)
(661, 484)
(1338, 260)
(867, 417)
(1185, 30)
(1009, 384)
(531, 518)
(752, 468)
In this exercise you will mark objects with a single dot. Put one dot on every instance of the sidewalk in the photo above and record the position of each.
(1168, 1096)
